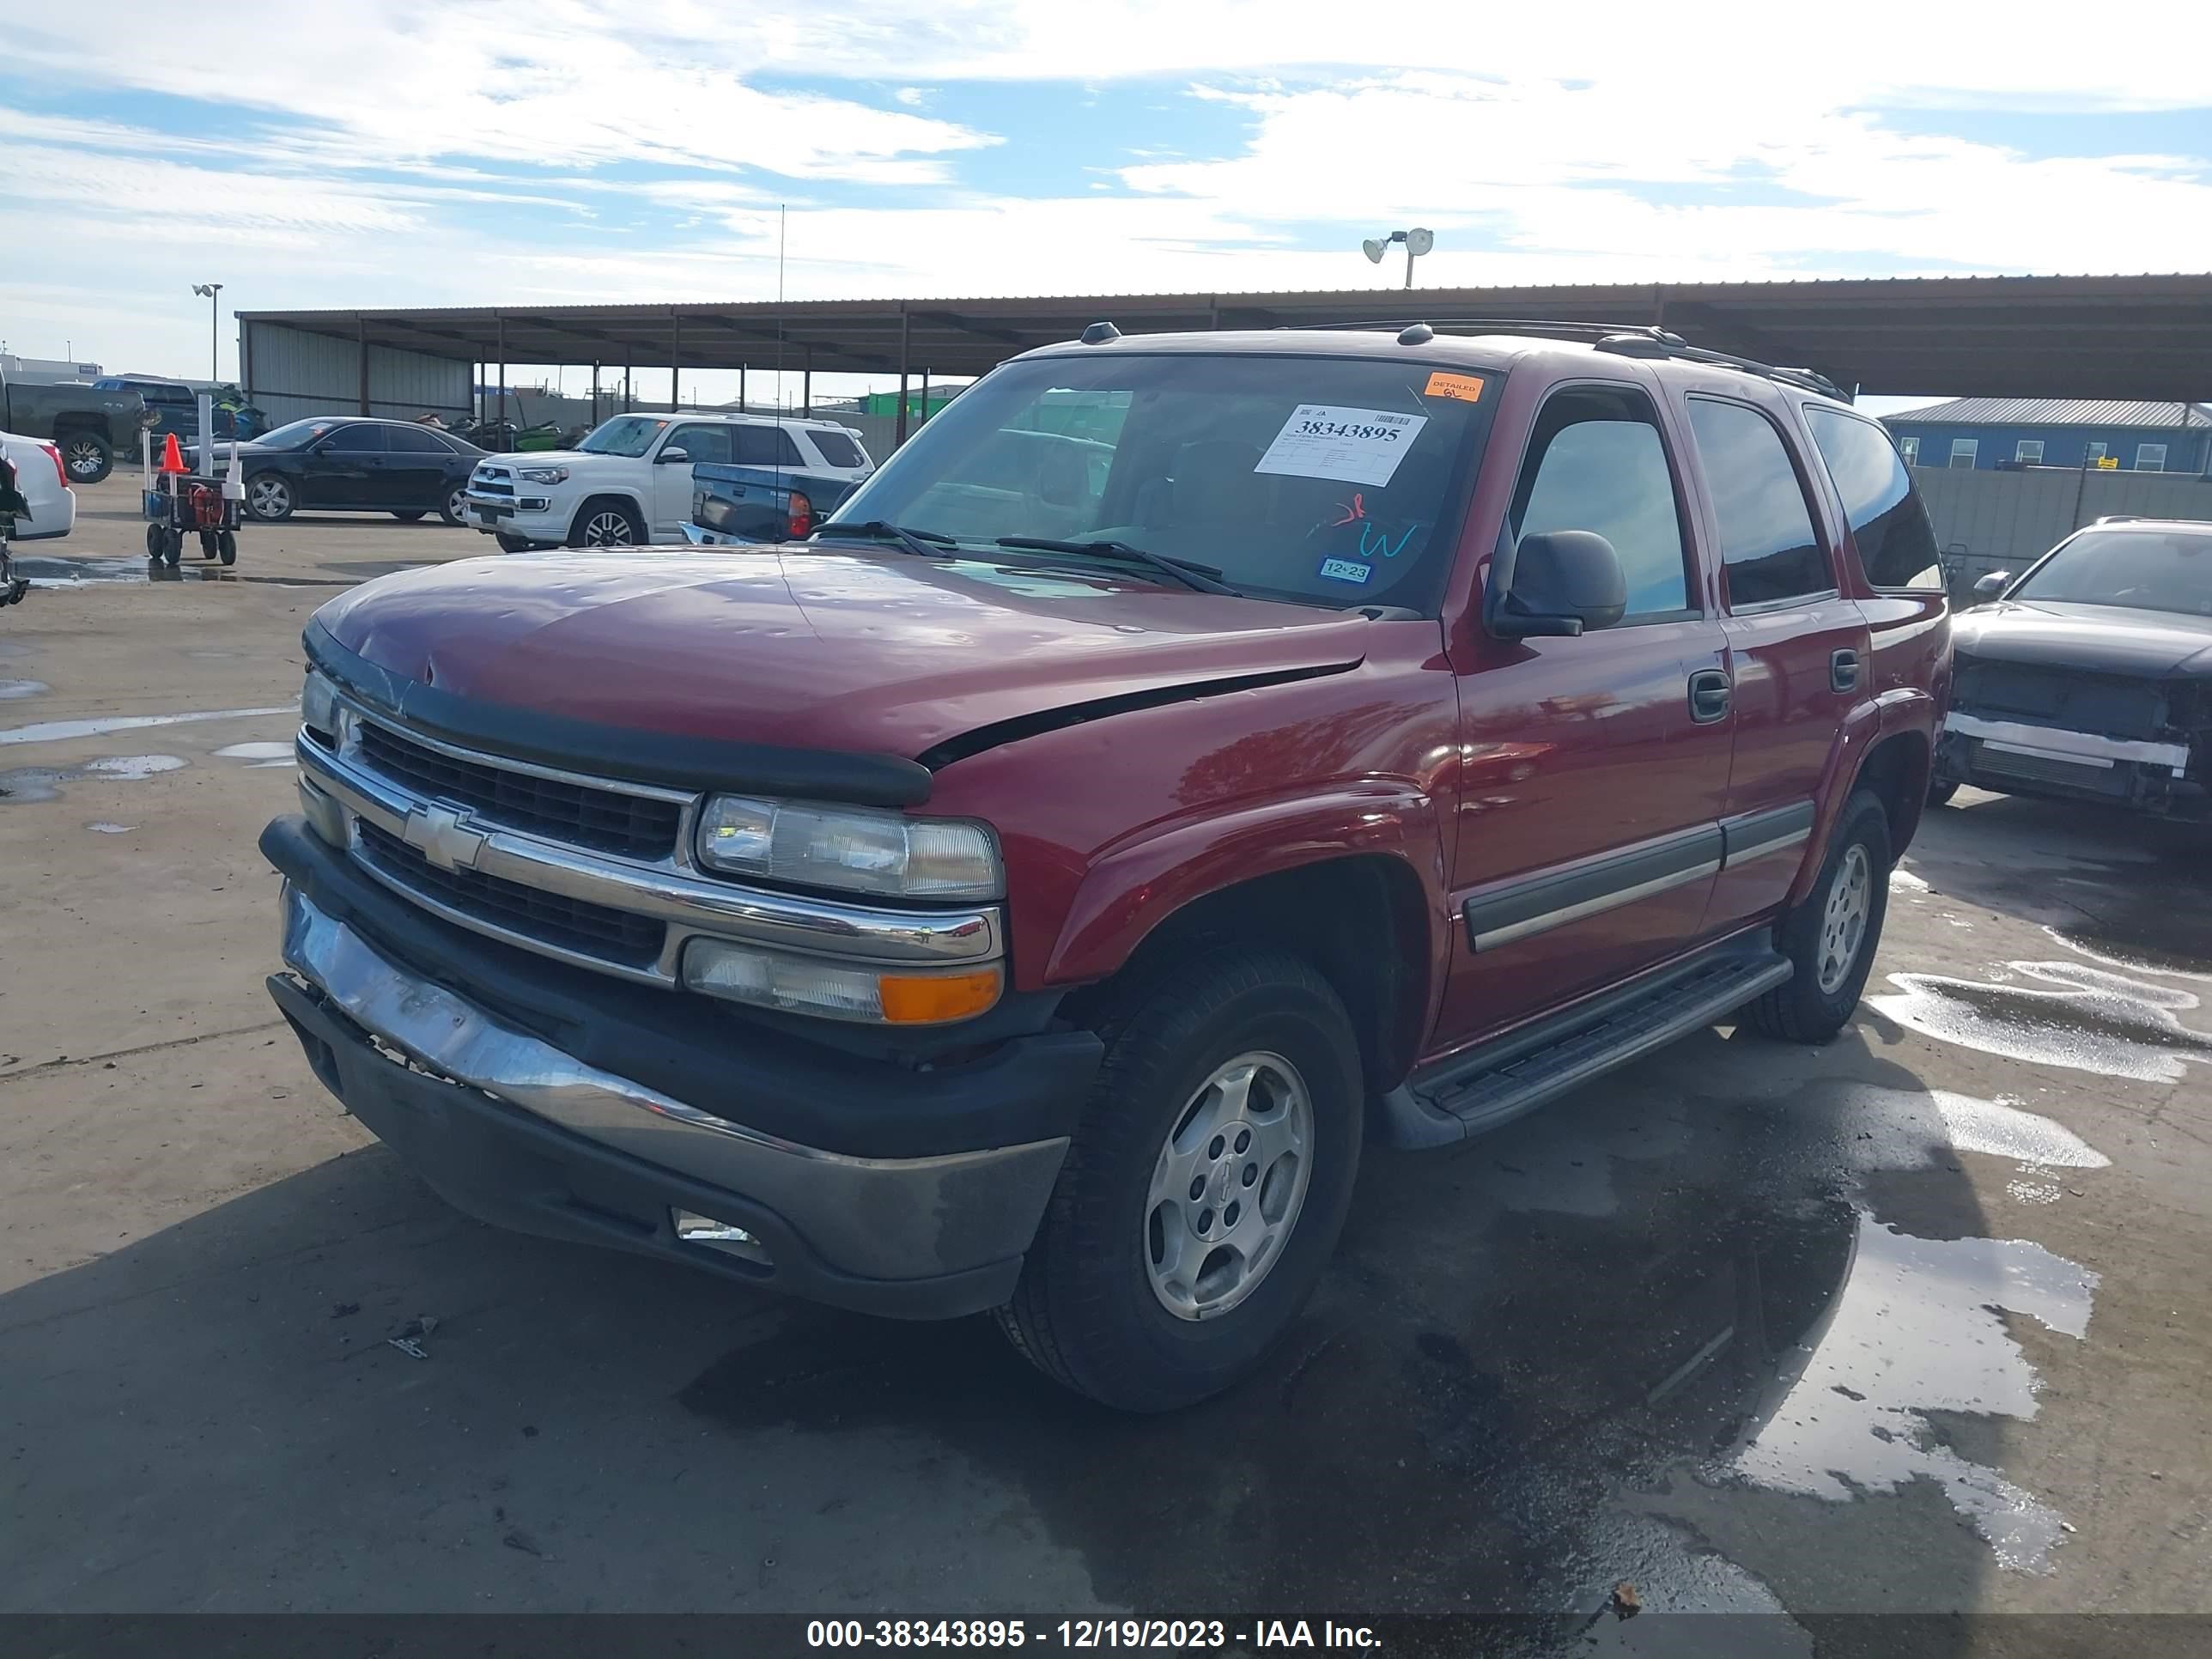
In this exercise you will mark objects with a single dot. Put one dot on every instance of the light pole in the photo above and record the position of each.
(1417, 242)
(208, 291)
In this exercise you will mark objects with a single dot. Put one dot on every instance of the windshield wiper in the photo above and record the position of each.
(922, 543)
(1205, 578)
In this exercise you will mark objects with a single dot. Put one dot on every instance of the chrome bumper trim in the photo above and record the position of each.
(690, 905)
(877, 1216)
(2083, 748)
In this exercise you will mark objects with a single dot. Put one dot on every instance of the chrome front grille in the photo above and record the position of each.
(572, 924)
(586, 815)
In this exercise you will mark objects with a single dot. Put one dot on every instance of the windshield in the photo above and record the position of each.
(628, 435)
(295, 435)
(2141, 569)
(1332, 480)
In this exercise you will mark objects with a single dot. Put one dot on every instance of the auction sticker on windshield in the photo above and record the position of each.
(1355, 446)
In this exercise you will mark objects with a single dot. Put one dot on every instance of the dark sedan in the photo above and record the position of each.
(2090, 678)
(338, 463)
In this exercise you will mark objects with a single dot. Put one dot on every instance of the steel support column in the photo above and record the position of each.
(898, 435)
(360, 348)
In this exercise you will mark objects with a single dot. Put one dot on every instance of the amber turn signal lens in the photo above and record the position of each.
(932, 1001)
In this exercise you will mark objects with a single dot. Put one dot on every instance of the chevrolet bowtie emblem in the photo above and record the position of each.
(439, 835)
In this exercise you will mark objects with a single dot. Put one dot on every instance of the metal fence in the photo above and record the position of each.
(1988, 521)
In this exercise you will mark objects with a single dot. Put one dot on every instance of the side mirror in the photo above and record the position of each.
(670, 457)
(1993, 584)
(1561, 583)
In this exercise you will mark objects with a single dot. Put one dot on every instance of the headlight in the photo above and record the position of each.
(543, 475)
(853, 849)
(318, 707)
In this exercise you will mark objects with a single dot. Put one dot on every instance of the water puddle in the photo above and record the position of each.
(80, 573)
(1917, 1330)
(104, 828)
(2096, 1021)
(37, 783)
(259, 755)
(2189, 962)
(58, 731)
(11, 690)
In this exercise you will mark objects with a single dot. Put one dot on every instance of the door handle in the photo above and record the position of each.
(1709, 696)
(1844, 670)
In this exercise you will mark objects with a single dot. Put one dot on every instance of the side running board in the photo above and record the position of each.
(1473, 1093)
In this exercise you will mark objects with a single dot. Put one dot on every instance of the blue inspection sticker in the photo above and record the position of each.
(1344, 570)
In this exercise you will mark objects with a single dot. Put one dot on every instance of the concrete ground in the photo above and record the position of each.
(1914, 1321)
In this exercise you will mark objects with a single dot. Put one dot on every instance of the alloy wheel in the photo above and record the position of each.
(1843, 920)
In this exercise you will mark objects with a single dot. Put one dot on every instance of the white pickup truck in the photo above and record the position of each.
(629, 482)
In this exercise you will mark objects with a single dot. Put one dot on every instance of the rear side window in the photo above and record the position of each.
(414, 441)
(1598, 463)
(837, 449)
(1767, 540)
(764, 446)
(1888, 520)
(359, 439)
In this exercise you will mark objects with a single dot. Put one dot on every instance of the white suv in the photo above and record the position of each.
(629, 482)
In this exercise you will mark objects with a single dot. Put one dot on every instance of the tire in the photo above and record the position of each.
(227, 546)
(1805, 1009)
(410, 514)
(269, 497)
(1939, 792)
(1086, 1311)
(514, 544)
(207, 544)
(603, 521)
(450, 509)
(173, 548)
(154, 534)
(86, 457)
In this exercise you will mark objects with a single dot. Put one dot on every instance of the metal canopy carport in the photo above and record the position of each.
(2138, 337)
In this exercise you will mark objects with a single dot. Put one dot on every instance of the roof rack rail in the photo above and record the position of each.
(1626, 339)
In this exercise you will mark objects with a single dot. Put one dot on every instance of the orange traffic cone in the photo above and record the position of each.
(173, 459)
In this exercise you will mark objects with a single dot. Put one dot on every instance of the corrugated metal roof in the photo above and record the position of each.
(2052, 411)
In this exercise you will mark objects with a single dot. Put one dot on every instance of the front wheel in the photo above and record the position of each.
(268, 497)
(1205, 1189)
(1831, 939)
(514, 544)
(605, 523)
(452, 507)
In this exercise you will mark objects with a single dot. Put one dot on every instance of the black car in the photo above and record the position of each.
(2090, 678)
(349, 465)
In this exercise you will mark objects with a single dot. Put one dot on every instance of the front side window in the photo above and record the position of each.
(1324, 479)
(1963, 451)
(1767, 540)
(701, 443)
(1888, 520)
(1597, 462)
(2150, 457)
(2139, 569)
(359, 439)
(627, 435)
(2029, 452)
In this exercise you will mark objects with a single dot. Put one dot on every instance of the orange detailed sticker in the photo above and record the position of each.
(1468, 388)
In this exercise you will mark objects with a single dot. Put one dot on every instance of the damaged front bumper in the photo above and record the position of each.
(511, 1128)
(2019, 756)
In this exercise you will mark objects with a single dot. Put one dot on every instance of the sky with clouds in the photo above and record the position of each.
(394, 152)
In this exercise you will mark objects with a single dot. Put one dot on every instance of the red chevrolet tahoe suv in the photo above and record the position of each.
(1190, 759)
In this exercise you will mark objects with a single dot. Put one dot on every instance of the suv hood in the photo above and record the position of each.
(866, 653)
(2095, 639)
